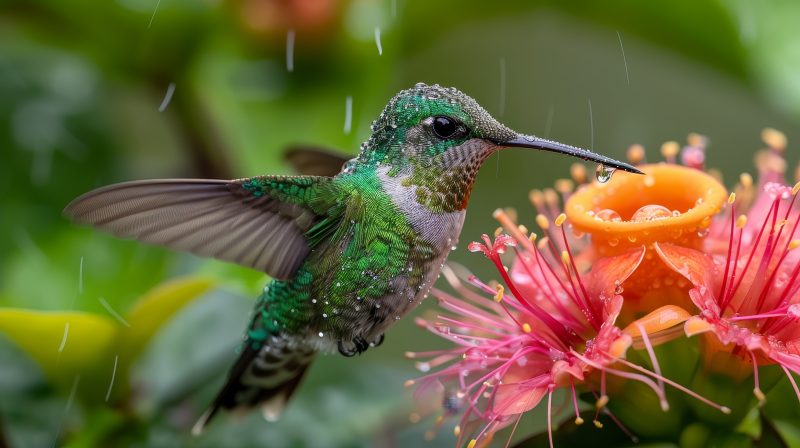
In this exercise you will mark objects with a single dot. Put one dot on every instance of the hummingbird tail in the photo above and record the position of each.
(265, 377)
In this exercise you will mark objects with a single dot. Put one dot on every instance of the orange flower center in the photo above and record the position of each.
(669, 203)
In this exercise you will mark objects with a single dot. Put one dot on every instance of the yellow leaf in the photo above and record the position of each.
(156, 307)
(64, 344)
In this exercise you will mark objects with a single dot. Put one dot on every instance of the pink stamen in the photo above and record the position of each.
(691, 393)
(730, 251)
(565, 313)
(747, 265)
(575, 400)
(619, 424)
(791, 380)
(757, 388)
(593, 318)
(550, 416)
(654, 361)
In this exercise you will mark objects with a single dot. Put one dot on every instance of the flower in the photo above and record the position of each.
(737, 275)
(556, 329)
(631, 264)
(745, 278)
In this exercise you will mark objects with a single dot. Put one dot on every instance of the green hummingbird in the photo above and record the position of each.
(349, 254)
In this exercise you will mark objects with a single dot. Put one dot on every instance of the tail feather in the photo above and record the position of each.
(265, 377)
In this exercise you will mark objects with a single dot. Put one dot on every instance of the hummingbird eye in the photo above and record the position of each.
(445, 127)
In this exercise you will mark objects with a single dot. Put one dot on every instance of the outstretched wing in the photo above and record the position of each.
(315, 160)
(258, 222)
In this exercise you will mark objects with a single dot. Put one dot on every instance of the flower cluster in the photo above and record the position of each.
(631, 264)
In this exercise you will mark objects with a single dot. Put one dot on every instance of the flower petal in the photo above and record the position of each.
(696, 325)
(609, 273)
(659, 320)
(696, 266)
(513, 399)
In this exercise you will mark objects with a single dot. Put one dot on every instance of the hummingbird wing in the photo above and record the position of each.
(258, 222)
(315, 160)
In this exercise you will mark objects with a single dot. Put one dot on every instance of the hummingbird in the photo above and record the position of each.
(349, 253)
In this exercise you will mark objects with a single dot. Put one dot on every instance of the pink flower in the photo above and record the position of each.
(746, 281)
(556, 329)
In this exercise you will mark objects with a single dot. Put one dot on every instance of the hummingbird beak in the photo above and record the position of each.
(528, 141)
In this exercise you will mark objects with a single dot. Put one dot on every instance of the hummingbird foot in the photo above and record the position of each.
(360, 345)
(378, 342)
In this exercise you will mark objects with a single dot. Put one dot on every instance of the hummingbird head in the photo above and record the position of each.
(437, 138)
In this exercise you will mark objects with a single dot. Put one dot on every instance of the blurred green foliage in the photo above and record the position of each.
(83, 103)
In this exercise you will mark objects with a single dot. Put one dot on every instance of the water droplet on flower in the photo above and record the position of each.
(320, 334)
(702, 232)
(607, 214)
(603, 173)
(651, 212)
(613, 242)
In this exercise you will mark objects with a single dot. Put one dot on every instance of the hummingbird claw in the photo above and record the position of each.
(360, 345)
(348, 352)
(379, 341)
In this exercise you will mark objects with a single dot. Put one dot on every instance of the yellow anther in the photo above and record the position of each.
(560, 219)
(410, 355)
(551, 197)
(498, 231)
(780, 224)
(542, 221)
(696, 140)
(635, 153)
(524, 230)
(472, 443)
(762, 399)
(543, 243)
(578, 421)
(796, 188)
(670, 149)
(533, 237)
(457, 430)
(536, 197)
(408, 383)
(578, 173)
(732, 198)
(741, 221)
(774, 138)
(565, 257)
(602, 402)
(500, 293)
(597, 424)
(746, 180)
(526, 327)
(794, 244)
(564, 186)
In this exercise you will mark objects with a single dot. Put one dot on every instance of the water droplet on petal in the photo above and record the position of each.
(607, 214)
(651, 212)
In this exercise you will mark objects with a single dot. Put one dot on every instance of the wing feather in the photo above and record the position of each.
(212, 218)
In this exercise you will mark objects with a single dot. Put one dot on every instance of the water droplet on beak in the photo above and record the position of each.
(603, 173)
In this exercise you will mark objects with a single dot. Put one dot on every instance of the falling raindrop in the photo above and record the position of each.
(603, 173)
(348, 114)
(378, 40)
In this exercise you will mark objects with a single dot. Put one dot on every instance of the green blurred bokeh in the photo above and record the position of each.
(98, 92)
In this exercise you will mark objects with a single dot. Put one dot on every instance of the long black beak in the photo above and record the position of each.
(526, 141)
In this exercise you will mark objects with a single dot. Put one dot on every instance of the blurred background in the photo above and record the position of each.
(109, 343)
